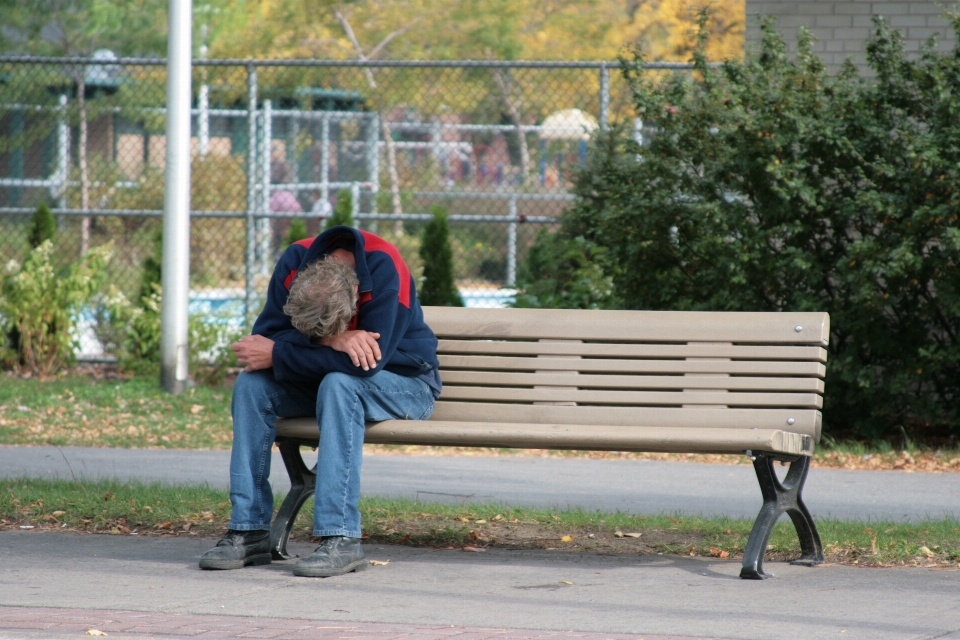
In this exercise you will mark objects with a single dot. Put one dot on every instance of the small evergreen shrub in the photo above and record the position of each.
(152, 276)
(565, 273)
(43, 227)
(343, 212)
(296, 232)
(438, 287)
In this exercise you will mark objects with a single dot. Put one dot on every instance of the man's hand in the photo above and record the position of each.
(254, 352)
(360, 345)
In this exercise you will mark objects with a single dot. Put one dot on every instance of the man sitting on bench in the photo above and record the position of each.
(341, 337)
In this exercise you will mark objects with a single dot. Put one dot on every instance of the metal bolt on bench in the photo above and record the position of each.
(672, 381)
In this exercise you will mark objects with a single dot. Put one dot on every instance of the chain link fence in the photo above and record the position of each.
(492, 143)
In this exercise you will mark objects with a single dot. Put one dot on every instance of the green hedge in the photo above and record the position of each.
(771, 185)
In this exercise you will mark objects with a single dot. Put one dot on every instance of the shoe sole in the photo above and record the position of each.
(255, 560)
(307, 572)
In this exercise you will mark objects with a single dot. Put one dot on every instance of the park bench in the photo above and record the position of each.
(671, 381)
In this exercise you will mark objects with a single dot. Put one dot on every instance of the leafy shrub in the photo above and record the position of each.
(41, 305)
(136, 337)
(438, 287)
(772, 186)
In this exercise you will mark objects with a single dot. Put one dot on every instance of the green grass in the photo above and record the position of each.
(83, 411)
(80, 410)
(151, 509)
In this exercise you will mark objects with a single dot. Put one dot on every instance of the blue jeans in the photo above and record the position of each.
(342, 404)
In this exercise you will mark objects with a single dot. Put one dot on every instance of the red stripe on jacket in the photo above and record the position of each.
(374, 243)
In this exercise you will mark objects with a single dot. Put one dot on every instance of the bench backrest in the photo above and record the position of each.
(632, 368)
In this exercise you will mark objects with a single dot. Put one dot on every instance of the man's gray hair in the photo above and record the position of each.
(323, 298)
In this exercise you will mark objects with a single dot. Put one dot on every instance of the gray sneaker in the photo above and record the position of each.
(335, 556)
(237, 549)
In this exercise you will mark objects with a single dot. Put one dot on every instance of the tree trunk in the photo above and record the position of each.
(513, 110)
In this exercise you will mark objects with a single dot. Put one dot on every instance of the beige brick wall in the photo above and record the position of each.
(842, 27)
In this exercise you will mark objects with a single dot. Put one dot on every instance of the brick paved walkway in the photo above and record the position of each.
(28, 622)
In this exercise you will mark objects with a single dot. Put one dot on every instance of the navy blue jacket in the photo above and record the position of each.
(387, 305)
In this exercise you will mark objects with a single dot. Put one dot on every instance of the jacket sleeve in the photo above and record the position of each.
(272, 319)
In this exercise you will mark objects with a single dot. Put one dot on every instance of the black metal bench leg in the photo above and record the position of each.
(779, 498)
(302, 483)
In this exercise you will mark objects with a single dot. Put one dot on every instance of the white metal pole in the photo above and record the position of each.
(176, 203)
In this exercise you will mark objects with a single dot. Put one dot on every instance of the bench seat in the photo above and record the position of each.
(684, 382)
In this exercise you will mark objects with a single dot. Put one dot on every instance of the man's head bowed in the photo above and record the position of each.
(323, 298)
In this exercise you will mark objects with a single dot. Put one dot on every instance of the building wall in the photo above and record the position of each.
(843, 27)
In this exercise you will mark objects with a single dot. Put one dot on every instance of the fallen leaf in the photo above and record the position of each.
(474, 549)
(633, 535)
(618, 533)
(673, 520)
(57, 514)
(462, 519)
(480, 522)
(379, 563)
(565, 582)
(514, 521)
(925, 551)
(196, 408)
(186, 526)
(95, 632)
(497, 517)
(566, 539)
(717, 552)
(107, 497)
(474, 535)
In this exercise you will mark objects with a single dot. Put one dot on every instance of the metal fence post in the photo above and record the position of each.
(355, 201)
(604, 96)
(264, 223)
(373, 159)
(63, 155)
(512, 245)
(325, 158)
(251, 238)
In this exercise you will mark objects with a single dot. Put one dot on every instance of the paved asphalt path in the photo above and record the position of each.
(634, 486)
(553, 590)
(55, 585)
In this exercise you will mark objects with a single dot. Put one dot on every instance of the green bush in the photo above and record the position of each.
(41, 306)
(343, 212)
(438, 287)
(770, 185)
(42, 227)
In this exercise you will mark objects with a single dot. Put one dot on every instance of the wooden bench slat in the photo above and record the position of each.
(588, 381)
(634, 398)
(506, 363)
(635, 326)
(566, 436)
(621, 350)
(805, 421)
